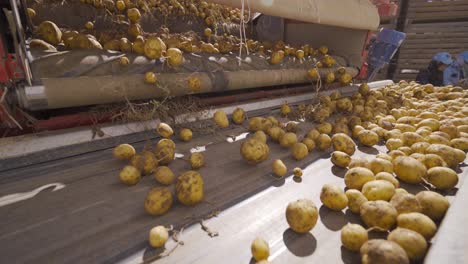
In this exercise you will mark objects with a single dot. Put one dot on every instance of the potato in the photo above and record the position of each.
(325, 128)
(356, 177)
(395, 154)
(130, 175)
(154, 47)
(333, 197)
(380, 251)
(158, 236)
(313, 134)
(301, 215)
(185, 134)
(355, 200)
(433, 204)
(405, 128)
(299, 151)
(164, 175)
(387, 177)
(380, 165)
(355, 131)
(158, 201)
(49, 32)
(279, 168)
(221, 119)
(405, 203)
(368, 138)
(380, 214)
(412, 242)
(197, 160)
(442, 178)
(359, 162)
(146, 162)
(260, 249)
(189, 188)
(353, 236)
(442, 134)
(342, 142)
(276, 133)
(450, 129)
(340, 159)
(259, 123)
(273, 121)
(323, 142)
(384, 156)
(297, 172)
(449, 154)
(459, 143)
(309, 143)
(418, 156)
(409, 138)
(124, 152)
(430, 122)
(165, 155)
(378, 190)
(288, 140)
(238, 116)
(409, 170)
(165, 143)
(164, 130)
(254, 151)
(260, 136)
(418, 222)
(433, 160)
(393, 144)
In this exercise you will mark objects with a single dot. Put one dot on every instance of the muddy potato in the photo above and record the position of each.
(299, 151)
(387, 177)
(309, 143)
(185, 134)
(418, 222)
(420, 147)
(254, 151)
(442, 178)
(459, 143)
(368, 138)
(449, 154)
(238, 116)
(279, 168)
(288, 140)
(130, 175)
(380, 165)
(379, 214)
(164, 175)
(297, 172)
(356, 177)
(146, 162)
(165, 143)
(189, 188)
(393, 144)
(405, 203)
(359, 162)
(313, 134)
(158, 236)
(409, 170)
(378, 190)
(124, 152)
(340, 159)
(164, 130)
(260, 136)
(342, 142)
(221, 119)
(325, 128)
(333, 197)
(355, 200)
(165, 155)
(158, 201)
(353, 236)
(301, 215)
(197, 160)
(260, 249)
(275, 133)
(380, 251)
(412, 242)
(323, 142)
(433, 204)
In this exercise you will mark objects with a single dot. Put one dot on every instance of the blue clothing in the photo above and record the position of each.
(457, 71)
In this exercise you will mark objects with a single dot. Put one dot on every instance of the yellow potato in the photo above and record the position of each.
(384, 156)
(395, 154)
(185, 134)
(380, 251)
(285, 109)
(260, 249)
(158, 236)
(158, 201)
(459, 143)
(353, 236)
(238, 116)
(221, 119)
(309, 143)
(355, 131)
(379, 214)
(197, 160)
(450, 129)
(433, 204)
(449, 154)
(412, 242)
(405, 128)
(273, 121)
(342, 142)
(124, 152)
(301, 215)
(355, 200)
(405, 203)
(254, 151)
(288, 140)
(260, 136)
(407, 150)
(333, 197)
(431, 123)
(164, 130)
(418, 222)
(340, 159)
(325, 128)
(418, 156)
(279, 168)
(276, 133)
(297, 172)
(174, 57)
(442, 178)
(313, 134)
(164, 175)
(380, 165)
(378, 190)
(410, 138)
(49, 32)
(356, 177)
(433, 160)
(130, 175)
(154, 47)
(393, 144)
(165, 155)
(368, 138)
(299, 151)
(189, 188)
(409, 170)
(145, 163)
(165, 142)
(359, 162)
(387, 177)
(323, 142)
